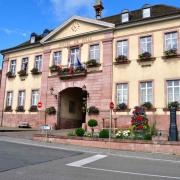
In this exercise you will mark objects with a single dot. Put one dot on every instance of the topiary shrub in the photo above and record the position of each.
(92, 123)
(104, 133)
(80, 132)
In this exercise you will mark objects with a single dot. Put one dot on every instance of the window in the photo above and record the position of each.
(146, 44)
(122, 93)
(74, 56)
(21, 98)
(9, 99)
(173, 91)
(122, 48)
(13, 67)
(146, 92)
(35, 97)
(24, 65)
(38, 62)
(125, 17)
(57, 56)
(171, 41)
(146, 13)
(72, 107)
(95, 52)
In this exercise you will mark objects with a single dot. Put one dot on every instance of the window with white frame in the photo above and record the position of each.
(38, 62)
(173, 91)
(125, 17)
(13, 67)
(122, 93)
(171, 41)
(146, 92)
(21, 98)
(9, 99)
(95, 52)
(24, 65)
(146, 12)
(146, 44)
(57, 57)
(122, 48)
(35, 97)
(74, 56)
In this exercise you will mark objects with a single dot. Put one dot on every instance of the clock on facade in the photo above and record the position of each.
(75, 27)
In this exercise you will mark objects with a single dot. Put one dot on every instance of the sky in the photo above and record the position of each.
(19, 18)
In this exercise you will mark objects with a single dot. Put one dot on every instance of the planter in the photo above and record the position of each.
(20, 109)
(54, 68)
(33, 109)
(92, 110)
(51, 111)
(146, 59)
(121, 110)
(22, 73)
(10, 75)
(8, 109)
(92, 63)
(35, 71)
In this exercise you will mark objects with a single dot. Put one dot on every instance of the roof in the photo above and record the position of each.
(157, 11)
(136, 15)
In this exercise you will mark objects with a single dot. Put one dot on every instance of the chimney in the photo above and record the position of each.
(98, 8)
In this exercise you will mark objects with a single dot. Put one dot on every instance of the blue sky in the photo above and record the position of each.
(19, 18)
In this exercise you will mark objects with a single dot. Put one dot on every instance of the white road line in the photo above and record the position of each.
(131, 173)
(86, 160)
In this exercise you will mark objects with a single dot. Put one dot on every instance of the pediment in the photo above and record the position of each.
(77, 26)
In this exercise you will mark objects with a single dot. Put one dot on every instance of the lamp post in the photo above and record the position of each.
(173, 132)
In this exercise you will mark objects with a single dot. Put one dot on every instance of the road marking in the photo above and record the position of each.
(86, 160)
(131, 173)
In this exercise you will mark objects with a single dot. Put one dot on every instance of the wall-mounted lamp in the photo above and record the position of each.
(52, 92)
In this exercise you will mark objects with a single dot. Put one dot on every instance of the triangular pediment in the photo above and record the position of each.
(77, 26)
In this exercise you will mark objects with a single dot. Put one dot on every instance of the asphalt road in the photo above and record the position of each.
(26, 162)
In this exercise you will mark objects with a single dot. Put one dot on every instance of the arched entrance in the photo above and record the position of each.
(72, 108)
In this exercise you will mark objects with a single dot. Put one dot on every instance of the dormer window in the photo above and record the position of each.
(146, 12)
(125, 17)
(33, 38)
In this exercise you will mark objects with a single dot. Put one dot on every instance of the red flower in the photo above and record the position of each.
(139, 118)
(140, 127)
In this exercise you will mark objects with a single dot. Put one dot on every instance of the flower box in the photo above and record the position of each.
(54, 68)
(172, 53)
(33, 109)
(121, 108)
(8, 109)
(121, 59)
(93, 110)
(146, 56)
(92, 63)
(10, 75)
(20, 109)
(35, 71)
(22, 73)
(51, 111)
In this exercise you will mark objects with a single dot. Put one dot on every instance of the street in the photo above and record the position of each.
(25, 162)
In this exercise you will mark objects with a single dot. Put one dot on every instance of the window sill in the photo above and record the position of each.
(171, 57)
(93, 65)
(122, 62)
(73, 75)
(146, 60)
(150, 110)
(167, 109)
(11, 77)
(37, 73)
(23, 75)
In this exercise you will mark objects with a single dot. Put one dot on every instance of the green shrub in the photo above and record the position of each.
(104, 133)
(72, 133)
(80, 132)
(92, 123)
(51, 110)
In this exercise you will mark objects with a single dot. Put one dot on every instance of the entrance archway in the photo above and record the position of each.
(72, 108)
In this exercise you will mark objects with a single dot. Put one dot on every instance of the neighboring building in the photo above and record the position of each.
(130, 79)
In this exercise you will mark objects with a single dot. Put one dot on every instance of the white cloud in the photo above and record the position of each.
(16, 31)
(63, 9)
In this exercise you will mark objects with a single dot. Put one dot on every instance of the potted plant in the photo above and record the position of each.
(35, 71)
(54, 68)
(22, 72)
(10, 74)
(93, 110)
(145, 55)
(173, 104)
(20, 109)
(121, 107)
(8, 109)
(92, 123)
(170, 53)
(147, 106)
(51, 110)
(65, 71)
(121, 58)
(79, 69)
(33, 109)
(92, 63)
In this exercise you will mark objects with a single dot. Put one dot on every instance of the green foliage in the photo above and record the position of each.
(104, 133)
(92, 123)
(93, 110)
(70, 134)
(174, 104)
(51, 110)
(80, 132)
(147, 105)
